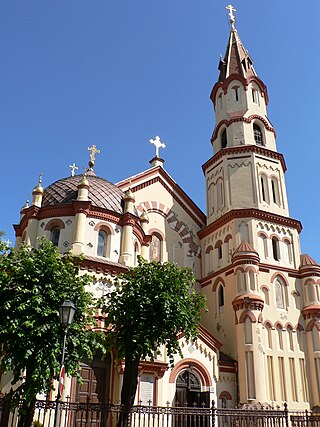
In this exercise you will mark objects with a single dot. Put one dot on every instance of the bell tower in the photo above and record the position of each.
(246, 170)
(250, 245)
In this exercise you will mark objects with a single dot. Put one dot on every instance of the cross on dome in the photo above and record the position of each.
(158, 144)
(93, 151)
(231, 15)
(73, 168)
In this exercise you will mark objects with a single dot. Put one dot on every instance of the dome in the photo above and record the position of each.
(102, 193)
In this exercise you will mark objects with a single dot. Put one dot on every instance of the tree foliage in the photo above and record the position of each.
(33, 284)
(150, 306)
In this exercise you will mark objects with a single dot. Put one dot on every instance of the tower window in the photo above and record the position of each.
(224, 140)
(55, 235)
(255, 97)
(102, 243)
(275, 191)
(220, 297)
(236, 94)
(155, 248)
(220, 101)
(275, 249)
(257, 134)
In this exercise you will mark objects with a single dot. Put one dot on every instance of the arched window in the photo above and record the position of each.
(208, 259)
(264, 188)
(263, 246)
(220, 101)
(155, 248)
(255, 96)
(290, 337)
(220, 298)
(236, 93)
(289, 250)
(224, 140)
(275, 249)
(280, 294)
(269, 335)
(315, 338)
(275, 191)
(280, 339)
(136, 253)
(247, 331)
(266, 295)
(102, 243)
(220, 200)
(257, 132)
(55, 235)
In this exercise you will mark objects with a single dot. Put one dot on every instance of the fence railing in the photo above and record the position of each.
(106, 415)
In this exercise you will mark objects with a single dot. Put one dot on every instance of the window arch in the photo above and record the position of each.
(289, 250)
(102, 243)
(220, 298)
(255, 96)
(55, 236)
(263, 245)
(155, 248)
(208, 260)
(269, 335)
(257, 133)
(280, 291)
(220, 198)
(247, 331)
(280, 338)
(136, 253)
(236, 93)
(224, 139)
(265, 291)
(264, 188)
(290, 337)
(275, 248)
(220, 105)
(275, 190)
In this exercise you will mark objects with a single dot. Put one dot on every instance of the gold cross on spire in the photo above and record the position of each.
(73, 168)
(93, 153)
(231, 15)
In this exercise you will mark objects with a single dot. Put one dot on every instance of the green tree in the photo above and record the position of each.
(149, 306)
(33, 284)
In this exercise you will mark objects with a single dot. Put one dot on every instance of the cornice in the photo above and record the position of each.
(240, 149)
(249, 213)
(243, 119)
(102, 267)
(224, 86)
(158, 174)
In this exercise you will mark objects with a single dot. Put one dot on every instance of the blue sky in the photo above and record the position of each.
(116, 73)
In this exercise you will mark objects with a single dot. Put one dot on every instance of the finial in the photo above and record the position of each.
(38, 187)
(40, 178)
(26, 205)
(94, 151)
(158, 144)
(231, 15)
(73, 168)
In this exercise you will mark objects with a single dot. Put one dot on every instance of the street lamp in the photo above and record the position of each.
(66, 312)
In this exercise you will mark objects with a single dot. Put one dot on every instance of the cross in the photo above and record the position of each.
(232, 16)
(7, 242)
(94, 151)
(73, 168)
(158, 144)
(40, 178)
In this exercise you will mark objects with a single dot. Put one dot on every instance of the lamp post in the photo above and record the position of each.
(66, 312)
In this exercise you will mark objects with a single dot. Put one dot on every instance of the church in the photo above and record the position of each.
(259, 342)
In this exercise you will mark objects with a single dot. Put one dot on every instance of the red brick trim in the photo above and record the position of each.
(184, 364)
(55, 223)
(226, 395)
(249, 213)
(241, 149)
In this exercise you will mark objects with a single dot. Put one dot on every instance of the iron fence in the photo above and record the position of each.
(106, 415)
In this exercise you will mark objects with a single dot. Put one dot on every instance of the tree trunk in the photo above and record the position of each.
(6, 407)
(129, 388)
(26, 414)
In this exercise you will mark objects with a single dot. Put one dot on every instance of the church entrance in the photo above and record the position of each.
(94, 390)
(189, 394)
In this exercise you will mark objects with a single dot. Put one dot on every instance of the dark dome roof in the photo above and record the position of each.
(102, 193)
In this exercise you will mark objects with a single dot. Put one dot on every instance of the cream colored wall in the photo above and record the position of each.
(174, 249)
